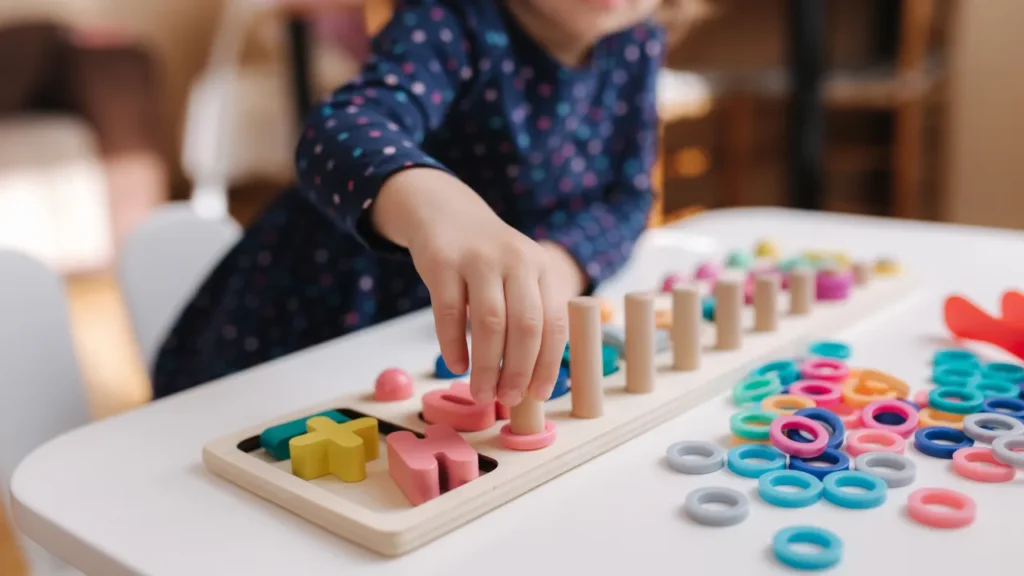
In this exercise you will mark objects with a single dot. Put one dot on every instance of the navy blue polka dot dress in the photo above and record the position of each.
(562, 154)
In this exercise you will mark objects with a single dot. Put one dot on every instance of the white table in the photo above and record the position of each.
(130, 495)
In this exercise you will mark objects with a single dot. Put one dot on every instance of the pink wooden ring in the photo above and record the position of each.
(828, 369)
(824, 393)
(981, 465)
(904, 429)
(873, 440)
(816, 447)
(941, 508)
(526, 442)
(848, 414)
(921, 398)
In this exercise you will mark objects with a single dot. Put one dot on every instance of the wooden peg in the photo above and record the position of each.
(639, 343)
(801, 290)
(766, 303)
(585, 365)
(861, 272)
(527, 417)
(728, 313)
(686, 320)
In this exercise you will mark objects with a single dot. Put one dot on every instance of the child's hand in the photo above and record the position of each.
(515, 289)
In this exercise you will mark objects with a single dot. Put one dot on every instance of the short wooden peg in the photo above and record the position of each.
(766, 303)
(585, 363)
(801, 290)
(686, 322)
(728, 313)
(861, 272)
(639, 343)
(527, 417)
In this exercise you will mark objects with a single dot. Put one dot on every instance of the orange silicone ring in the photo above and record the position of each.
(786, 404)
(929, 417)
(858, 394)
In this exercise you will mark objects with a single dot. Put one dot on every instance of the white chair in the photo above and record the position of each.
(41, 393)
(162, 263)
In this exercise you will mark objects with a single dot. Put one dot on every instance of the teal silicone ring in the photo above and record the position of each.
(957, 375)
(826, 349)
(1004, 371)
(830, 554)
(786, 370)
(996, 388)
(738, 460)
(756, 389)
(969, 400)
(874, 495)
(955, 356)
(741, 424)
(808, 487)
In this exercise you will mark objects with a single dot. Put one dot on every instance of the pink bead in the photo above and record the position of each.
(872, 410)
(941, 508)
(420, 465)
(526, 442)
(873, 440)
(824, 393)
(921, 398)
(392, 385)
(708, 271)
(672, 281)
(829, 369)
(816, 447)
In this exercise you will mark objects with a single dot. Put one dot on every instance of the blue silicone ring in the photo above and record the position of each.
(874, 495)
(826, 418)
(955, 356)
(996, 388)
(808, 487)
(787, 371)
(827, 349)
(956, 400)
(738, 460)
(834, 460)
(1004, 371)
(830, 554)
(1013, 407)
(926, 441)
(956, 375)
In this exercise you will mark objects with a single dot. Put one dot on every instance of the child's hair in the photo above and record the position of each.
(677, 16)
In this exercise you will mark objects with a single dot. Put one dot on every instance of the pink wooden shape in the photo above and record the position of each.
(418, 465)
(456, 407)
(392, 385)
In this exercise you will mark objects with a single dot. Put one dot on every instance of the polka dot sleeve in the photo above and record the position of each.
(373, 127)
(602, 235)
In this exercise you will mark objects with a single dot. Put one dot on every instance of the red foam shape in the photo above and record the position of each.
(416, 464)
(969, 322)
(1013, 307)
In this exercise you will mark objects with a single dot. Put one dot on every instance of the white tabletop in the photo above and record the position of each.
(130, 495)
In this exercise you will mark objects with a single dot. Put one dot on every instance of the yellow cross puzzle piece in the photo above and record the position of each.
(341, 449)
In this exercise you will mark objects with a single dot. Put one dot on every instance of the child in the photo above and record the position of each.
(492, 159)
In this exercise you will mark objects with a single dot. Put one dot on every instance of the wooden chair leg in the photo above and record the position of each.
(906, 167)
(738, 144)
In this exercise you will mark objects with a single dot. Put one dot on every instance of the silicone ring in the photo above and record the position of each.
(739, 460)
(996, 388)
(860, 393)
(826, 349)
(921, 398)
(828, 419)
(849, 415)
(756, 389)
(901, 388)
(824, 393)
(941, 508)
(751, 424)
(737, 506)
(695, 457)
(786, 371)
(867, 440)
(740, 441)
(785, 404)
(926, 441)
(834, 460)
(932, 418)
(1004, 371)
(956, 375)
(808, 487)
(955, 356)
(871, 412)
(777, 435)
(833, 284)
(956, 400)
(986, 427)
(895, 469)
(828, 369)
(1005, 449)
(873, 486)
(980, 464)
(1012, 407)
(830, 554)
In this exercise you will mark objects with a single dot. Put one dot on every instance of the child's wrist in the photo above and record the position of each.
(571, 275)
(413, 200)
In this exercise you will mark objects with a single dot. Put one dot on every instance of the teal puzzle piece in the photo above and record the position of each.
(275, 439)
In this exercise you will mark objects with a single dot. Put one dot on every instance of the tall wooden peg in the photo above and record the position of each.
(766, 303)
(639, 343)
(801, 290)
(687, 315)
(585, 365)
(728, 313)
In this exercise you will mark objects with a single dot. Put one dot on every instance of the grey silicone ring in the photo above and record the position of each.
(695, 457)
(1003, 450)
(974, 426)
(737, 511)
(895, 469)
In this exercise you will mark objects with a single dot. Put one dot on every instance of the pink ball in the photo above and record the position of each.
(708, 271)
(392, 385)
(671, 281)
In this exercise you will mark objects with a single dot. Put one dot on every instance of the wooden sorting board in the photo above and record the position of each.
(375, 514)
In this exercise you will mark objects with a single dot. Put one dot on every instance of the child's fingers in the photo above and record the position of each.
(448, 300)
(487, 326)
(525, 311)
(553, 337)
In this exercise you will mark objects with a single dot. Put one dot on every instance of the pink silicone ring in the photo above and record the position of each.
(979, 464)
(849, 415)
(941, 508)
(921, 398)
(824, 393)
(525, 442)
(904, 429)
(873, 440)
(816, 447)
(828, 369)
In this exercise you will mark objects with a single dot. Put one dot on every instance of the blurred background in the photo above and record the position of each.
(111, 110)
